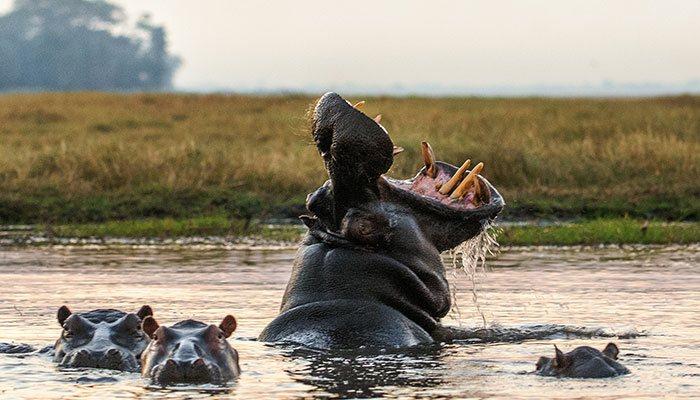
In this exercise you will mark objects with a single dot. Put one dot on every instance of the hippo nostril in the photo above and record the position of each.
(112, 352)
(171, 364)
(198, 363)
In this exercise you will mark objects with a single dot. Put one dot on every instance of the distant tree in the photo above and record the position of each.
(81, 45)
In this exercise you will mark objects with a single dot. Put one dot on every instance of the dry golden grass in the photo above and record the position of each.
(637, 156)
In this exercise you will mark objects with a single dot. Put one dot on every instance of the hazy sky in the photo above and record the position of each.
(294, 44)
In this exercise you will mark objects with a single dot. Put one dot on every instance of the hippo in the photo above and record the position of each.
(103, 338)
(582, 362)
(190, 352)
(368, 272)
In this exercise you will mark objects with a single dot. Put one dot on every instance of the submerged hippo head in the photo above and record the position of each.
(190, 352)
(449, 204)
(582, 362)
(103, 338)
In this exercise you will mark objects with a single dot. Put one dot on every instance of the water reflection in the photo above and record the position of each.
(365, 374)
(532, 296)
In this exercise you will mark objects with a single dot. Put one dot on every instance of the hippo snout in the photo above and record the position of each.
(186, 371)
(111, 358)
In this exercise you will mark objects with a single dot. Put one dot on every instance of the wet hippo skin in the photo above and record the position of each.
(582, 362)
(369, 272)
(190, 352)
(103, 338)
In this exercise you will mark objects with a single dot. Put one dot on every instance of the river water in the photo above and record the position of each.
(647, 299)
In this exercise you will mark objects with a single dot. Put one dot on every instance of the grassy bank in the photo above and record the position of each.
(599, 231)
(91, 157)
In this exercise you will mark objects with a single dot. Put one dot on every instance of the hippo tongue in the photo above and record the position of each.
(356, 150)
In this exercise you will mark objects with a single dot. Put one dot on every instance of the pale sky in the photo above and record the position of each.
(377, 44)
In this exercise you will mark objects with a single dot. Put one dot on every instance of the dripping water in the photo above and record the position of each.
(469, 258)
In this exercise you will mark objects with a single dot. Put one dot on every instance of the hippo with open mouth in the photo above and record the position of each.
(582, 362)
(103, 338)
(369, 272)
(190, 352)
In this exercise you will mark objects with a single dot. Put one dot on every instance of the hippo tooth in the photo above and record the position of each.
(464, 186)
(456, 178)
(429, 159)
(359, 104)
(378, 118)
(477, 191)
(397, 150)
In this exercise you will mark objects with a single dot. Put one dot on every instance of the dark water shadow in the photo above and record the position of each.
(365, 373)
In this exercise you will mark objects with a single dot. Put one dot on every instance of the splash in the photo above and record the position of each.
(469, 258)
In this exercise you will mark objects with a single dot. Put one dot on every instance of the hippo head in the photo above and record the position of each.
(190, 352)
(359, 203)
(103, 338)
(582, 362)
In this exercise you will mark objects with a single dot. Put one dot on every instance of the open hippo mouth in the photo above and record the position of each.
(451, 204)
(369, 271)
(445, 189)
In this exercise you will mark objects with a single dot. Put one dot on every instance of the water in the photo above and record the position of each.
(650, 290)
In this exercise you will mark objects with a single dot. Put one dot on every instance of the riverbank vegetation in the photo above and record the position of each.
(93, 157)
(587, 232)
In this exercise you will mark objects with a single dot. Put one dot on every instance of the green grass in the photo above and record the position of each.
(153, 227)
(599, 231)
(94, 157)
(169, 228)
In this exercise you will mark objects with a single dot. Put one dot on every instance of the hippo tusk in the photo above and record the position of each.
(429, 159)
(477, 191)
(464, 186)
(397, 150)
(378, 118)
(456, 178)
(359, 104)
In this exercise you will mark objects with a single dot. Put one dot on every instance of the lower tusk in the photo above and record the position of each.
(456, 178)
(464, 186)
(477, 190)
(397, 150)
(378, 118)
(359, 104)
(429, 159)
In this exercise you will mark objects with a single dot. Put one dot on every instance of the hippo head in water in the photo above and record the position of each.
(369, 271)
(582, 362)
(190, 352)
(103, 338)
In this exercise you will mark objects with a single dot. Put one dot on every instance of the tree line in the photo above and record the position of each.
(81, 45)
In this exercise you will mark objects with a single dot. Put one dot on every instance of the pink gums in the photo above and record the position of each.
(428, 187)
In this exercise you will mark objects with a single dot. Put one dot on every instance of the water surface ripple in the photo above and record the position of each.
(567, 296)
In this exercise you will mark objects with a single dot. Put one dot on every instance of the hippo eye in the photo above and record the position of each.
(221, 336)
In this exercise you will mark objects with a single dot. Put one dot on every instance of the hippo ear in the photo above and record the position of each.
(228, 325)
(541, 363)
(149, 326)
(559, 360)
(144, 311)
(63, 313)
(611, 351)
